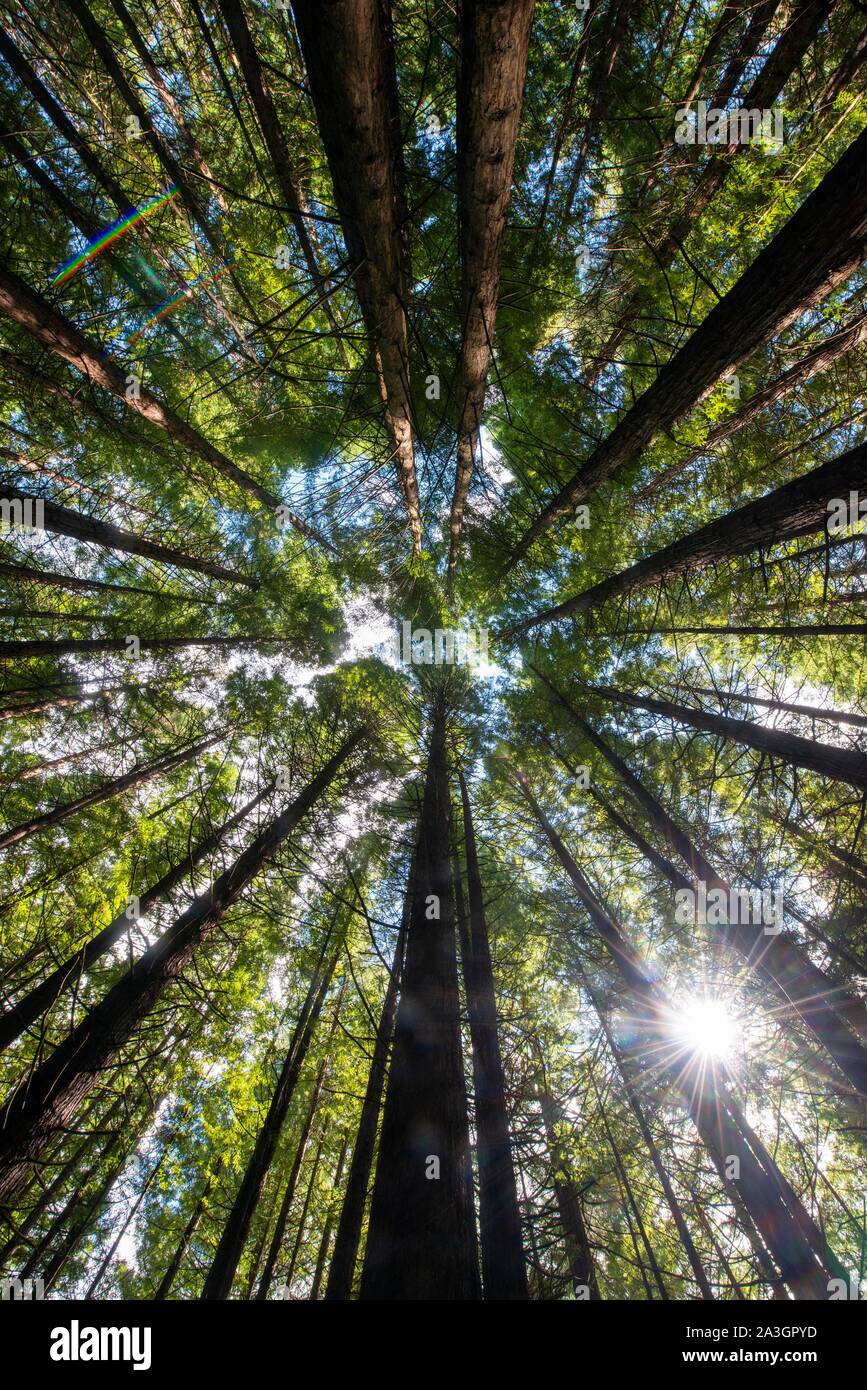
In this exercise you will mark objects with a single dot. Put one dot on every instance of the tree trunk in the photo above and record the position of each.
(58, 117)
(582, 1269)
(503, 1273)
(302, 1223)
(54, 1188)
(421, 1241)
(494, 44)
(289, 1193)
(145, 773)
(818, 248)
(45, 1103)
(218, 1283)
(123, 1228)
(275, 142)
(816, 361)
(834, 716)
(629, 1085)
(38, 1000)
(165, 1285)
(329, 1222)
(840, 764)
(61, 336)
(63, 521)
(626, 1186)
(346, 46)
(28, 574)
(794, 509)
(75, 646)
(341, 1274)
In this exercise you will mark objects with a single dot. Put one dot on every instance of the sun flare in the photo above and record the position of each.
(707, 1028)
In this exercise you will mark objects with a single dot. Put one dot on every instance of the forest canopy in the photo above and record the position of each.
(434, 748)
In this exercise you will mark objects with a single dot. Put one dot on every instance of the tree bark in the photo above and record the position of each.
(504, 1275)
(29, 574)
(165, 1285)
(421, 1241)
(629, 1084)
(834, 716)
(63, 521)
(826, 1008)
(840, 764)
(79, 646)
(341, 1273)
(582, 1269)
(57, 333)
(218, 1283)
(275, 142)
(494, 45)
(145, 773)
(329, 1222)
(289, 1192)
(708, 1102)
(346, 46)
(819, 360)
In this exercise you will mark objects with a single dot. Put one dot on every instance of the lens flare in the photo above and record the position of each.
(110, 234)
(705, 1027)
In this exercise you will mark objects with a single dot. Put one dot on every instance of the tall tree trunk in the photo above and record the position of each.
(302, 1223)
(55, 1187)
(19, 1016)
(58, 117)
(794, 509)
(818, 360)
(84, 1213)
(835, 716)
(346, 46)
(503, 1273)
(164, 1287)
(629, 1084)
(818, 248)
(256, 1256)
(28, 574)
(582, 1269)
(421, 1241)
(19, 302)
(218, 1283)
(626, 1187)
(45, 1103)
(325, 1242)
(145, 773)
(292, 1183)
(494, 44)
(64, 521)
(341, 1273)
(124, 1227)
(275, 142)
(75, 646)
(839, 764)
